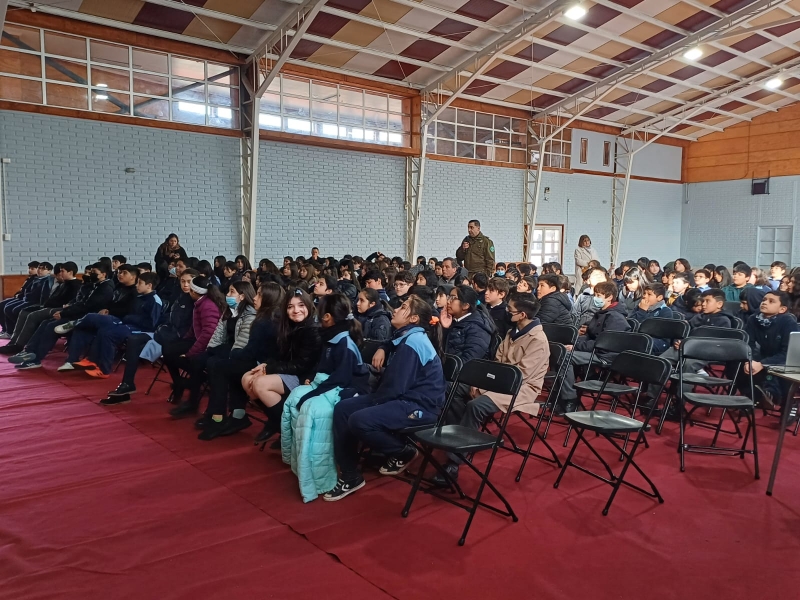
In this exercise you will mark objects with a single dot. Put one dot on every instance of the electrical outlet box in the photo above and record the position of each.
(6, 237)
(6, 161)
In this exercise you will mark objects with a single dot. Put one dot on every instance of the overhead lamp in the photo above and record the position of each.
(693, 54)
(575, 13)
(100, 97)
(774, 83)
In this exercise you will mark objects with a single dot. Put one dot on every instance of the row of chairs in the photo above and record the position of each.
(629, 374)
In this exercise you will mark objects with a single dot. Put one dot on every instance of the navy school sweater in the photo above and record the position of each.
(145, 312)
(769, 339)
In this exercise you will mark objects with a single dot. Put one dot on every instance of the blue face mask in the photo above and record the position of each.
(598, 302)
(501, 273)
(173, 271)
(232, 302)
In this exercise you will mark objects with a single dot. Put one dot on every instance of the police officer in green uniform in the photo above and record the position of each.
(477, 251)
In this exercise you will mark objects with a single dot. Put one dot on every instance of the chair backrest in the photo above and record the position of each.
(451, 365)
(731, 307)
(738, 322)
(619, 341)
(633, 324)
(562, 334)
(715, 349)
(368, 349)
(665, 329)
(644, 368)
(707, 331)
(557, 355)
(678, 316)
(494, 345)
(491, 376)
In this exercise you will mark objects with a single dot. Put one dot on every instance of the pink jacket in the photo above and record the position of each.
(204, 321)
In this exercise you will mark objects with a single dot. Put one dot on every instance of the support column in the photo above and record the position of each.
(623, 165)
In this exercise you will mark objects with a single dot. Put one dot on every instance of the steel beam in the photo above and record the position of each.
(415, 177)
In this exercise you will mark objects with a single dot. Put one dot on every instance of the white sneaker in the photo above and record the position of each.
(703, 372)
(65, 328)
(67, 366)
(5, 336)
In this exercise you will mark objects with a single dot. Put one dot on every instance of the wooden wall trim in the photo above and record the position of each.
(476, 161)
(119, 119)
(309, 140)
(121, 36)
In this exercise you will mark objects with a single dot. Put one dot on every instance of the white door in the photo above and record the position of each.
(774, 243)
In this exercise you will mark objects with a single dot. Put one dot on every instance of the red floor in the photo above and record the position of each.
(125, 503)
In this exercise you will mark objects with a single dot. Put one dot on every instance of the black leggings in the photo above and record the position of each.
(225, 384)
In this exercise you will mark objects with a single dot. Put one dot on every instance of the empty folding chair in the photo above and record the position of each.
(566, 335)
(629, 366)
(464, 442)
(732, 352)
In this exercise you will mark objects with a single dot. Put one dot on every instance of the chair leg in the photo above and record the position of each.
(415, 486)
(579, 401)
(667, 404)
(752, 415)
(535, 434)
(476, 503)
(567, 463)
(152, 383)
(681, 448)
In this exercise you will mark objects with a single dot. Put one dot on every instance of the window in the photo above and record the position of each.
(99, 76)
(308, 107)
(483, 136)
(547, 244)
(774, 243)
(584, 150)
(557, 153)
(606, 154)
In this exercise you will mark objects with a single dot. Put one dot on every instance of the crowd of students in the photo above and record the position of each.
(289, 338)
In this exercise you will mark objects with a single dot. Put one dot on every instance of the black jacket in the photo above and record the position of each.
(162, 259)
(301, 354)
(64, 294)
(770, 341)
(555, 308)
(348, 288)
(169, 290)
(123, 301)
(501, 318)
(376, 324)
(262, 346)
(720, 319)
(397, 301)
(611, 319)
(181, 314)
(470, 337)
(98, 299)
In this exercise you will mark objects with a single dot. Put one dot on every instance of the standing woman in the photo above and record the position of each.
(583, 254)
(171, 250)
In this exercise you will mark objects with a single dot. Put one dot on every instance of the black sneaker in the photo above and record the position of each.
(116, 399)
(566, 406)
(202, 422)
(184, 409)
(269, 430)
(11, 349)
(343, 489)
(397, 464)
(236, 425)
(123, 389)
(214, 429)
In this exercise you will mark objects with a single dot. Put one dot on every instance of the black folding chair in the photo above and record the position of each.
(494, 345)
(629, 366)
(462, 441)
(161, 368)
(565, 335)
(610, 343)
(731, 307)
(634, 324)
(721, 351)
(710, 382)
(665, 329)
(738, 322)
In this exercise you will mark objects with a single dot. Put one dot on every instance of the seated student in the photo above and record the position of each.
(525, 347)
(565, 287)
(189, 353)
(377, 281)
(496, 294)
(610, 316)
(29, 319)
(585, 307)
(229, 275)
(375, 320)
(116, 262)
(144, 267)
(777, 271)
(680, 285)
(299, 347)
(527, 285)
(170, 330)
(500, 270)
(96, 337)
(652, 305)
(513, 276)
(306, 425)
(44, 339)
(554, 307)
(702, 280)
(225, 374)
(33, 298)
(479, 283)
(402, 285)
(33, 267)
(411, 392)
(619, 278)
(633, 289)
(427, 278)
(768, 332)
(741, 280)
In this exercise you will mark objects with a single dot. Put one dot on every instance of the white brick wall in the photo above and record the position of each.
(721, 219)
(341, 201)
(69, 197)
(454, 193)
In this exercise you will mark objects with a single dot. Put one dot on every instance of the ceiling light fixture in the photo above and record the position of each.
(693, 54)
(575, 13)
(102, 85)
(101, 97)
(774, 83)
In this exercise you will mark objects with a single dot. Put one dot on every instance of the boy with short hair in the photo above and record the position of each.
(777, 271)
(500, 270)
(741, 280)
(680, 285)
(377, 281)
(18, 297)
(496, 293)
(479, 283)
(701, 279)
(34, 296)
(610, 315)
(769, 331)
(651, 306)
(713, 313)
(555, 307)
